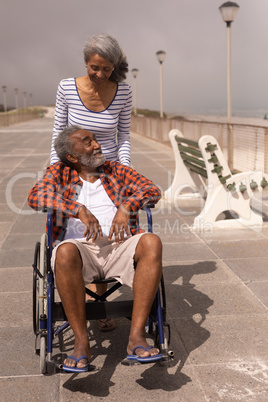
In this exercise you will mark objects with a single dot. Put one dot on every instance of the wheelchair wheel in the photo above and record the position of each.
(36, 266)
(43, 359)
(40, 299)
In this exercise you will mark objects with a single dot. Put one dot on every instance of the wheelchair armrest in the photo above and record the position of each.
(148, 205)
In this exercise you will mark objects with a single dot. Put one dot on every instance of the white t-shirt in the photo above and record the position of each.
(97, 201)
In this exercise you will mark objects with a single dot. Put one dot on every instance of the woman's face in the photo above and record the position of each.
(99, 70)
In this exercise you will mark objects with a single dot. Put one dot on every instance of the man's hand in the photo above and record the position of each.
(120, 224)
(92, 226)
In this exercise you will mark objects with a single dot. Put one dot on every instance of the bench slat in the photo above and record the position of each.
(196, 169)
(191, 151)
(190, 158)
(182, 140)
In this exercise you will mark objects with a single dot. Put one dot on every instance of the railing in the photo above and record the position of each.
(244, 146)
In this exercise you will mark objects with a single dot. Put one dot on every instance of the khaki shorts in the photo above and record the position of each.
(105, 259)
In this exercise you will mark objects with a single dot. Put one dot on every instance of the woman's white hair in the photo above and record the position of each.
(107, 47)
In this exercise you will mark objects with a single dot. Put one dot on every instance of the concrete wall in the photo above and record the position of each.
(6, 119)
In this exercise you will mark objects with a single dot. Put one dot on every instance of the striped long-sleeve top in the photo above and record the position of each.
(110, 126)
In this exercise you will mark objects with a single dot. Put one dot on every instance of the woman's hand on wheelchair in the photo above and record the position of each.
(92, 226)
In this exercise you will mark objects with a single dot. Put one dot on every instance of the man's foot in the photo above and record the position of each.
(79, 358)
(144, 359)
(76, 369)
(144, 350)
(106, 324)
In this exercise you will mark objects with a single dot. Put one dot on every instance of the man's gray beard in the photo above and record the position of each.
(92, 161)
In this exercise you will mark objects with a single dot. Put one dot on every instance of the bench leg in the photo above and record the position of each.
(221, 199)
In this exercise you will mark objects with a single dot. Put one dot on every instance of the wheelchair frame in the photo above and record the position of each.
(46, 312)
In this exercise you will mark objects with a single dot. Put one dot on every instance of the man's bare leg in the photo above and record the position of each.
(148, 259)
(71, 288)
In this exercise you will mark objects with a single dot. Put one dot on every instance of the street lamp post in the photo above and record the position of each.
(229, 12)
(5, 97)
(16, 98)
(161, 57)
(24, 100)
(31, 100)
(135, 73)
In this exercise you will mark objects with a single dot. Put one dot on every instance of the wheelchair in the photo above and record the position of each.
(48, 313)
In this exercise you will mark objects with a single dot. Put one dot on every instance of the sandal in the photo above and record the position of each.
(76, 369)
(106, 324)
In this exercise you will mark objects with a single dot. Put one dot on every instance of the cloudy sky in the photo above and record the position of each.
(42, 41)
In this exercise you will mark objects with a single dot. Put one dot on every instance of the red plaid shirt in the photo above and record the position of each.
(60, 185)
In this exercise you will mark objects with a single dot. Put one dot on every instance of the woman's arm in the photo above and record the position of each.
(123, 136)
(61, 120)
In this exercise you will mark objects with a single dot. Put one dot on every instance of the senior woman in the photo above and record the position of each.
(99, 101)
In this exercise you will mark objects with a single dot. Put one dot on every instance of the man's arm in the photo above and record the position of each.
(138, 190)
(135, 190)
(44, 195)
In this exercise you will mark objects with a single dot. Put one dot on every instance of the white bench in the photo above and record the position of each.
(202, 168)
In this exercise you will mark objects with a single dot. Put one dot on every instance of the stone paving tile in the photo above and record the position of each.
(218, 340)
(18, 355)
(16, 309)
(16, 279)
(34, 223)
(249, 269)
(187, 251)
(20, 258)
(197, 273)
(6, 215)
(235, 299)
(27, 241)
(232, 235)
(240, 249)
(4, 230)
(237, 380)
(264, 231)
(175, 234)
(10, 161)
(260, 289)
(30, 388)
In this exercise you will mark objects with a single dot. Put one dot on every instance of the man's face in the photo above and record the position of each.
(87, 149)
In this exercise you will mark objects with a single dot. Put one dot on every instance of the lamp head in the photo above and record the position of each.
(160, 56)
(229, 11)
(134, 72)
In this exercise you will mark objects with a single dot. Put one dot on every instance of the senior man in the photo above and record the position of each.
(92, 202)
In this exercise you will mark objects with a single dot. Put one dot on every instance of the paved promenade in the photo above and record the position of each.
(216, 285)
